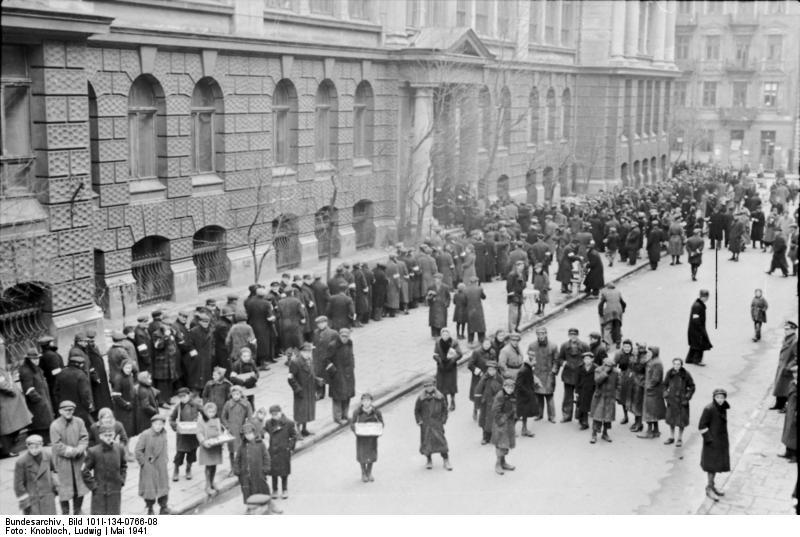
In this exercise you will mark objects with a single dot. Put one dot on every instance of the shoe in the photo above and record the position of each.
(370, 477)
(710, 493)
(538, 418)
(678, 263)
(274, 495)
(150, 511)
(429, 465)
(452, 406)
(718, 492)
(285, 495)
(551, 420)
(164, 511)
(527, 433)
(484, 441)
(175, 475)
(188, 473)
(593, 440)
(498, 468)
(647, 436)
(364, 478)
(209, 491)
(584, 426)
(305, 432)
(755, 340)
(624, 420)
(606, 438)
(446, 465)
(669, 441)
(566, 420)
(507, 466)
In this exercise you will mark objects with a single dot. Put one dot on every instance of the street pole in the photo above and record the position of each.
(716, 283)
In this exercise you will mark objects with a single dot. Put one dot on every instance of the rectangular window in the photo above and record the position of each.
(680, 93)
(775, 7)
(677, 141)
(550, 21)
(709, 94)
(462, 13)
(482, 17)
(742, 51)
(435, 13)
(506, 19)
(358, 9)
(771, 94)
(682, 47)
(628, 110)
(774, 47)
(768, 149)
(685, 7)
(322, 126)
(16, 153)
(567, 23)
(640, 95)
(707, 143)
(737, 138)
(712, 47)
(533, 22)
(713, 7)
(203, 137)
(740, 94)
(280, 4)
(281, 133)
(648, 110)
(657, 108)
(323, 7)
(142, 138)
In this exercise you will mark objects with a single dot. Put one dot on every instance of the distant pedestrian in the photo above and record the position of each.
(603, 408)
(504, 418)
(569, 357)
(525, 393)
(715, 457)
(697, 334)
(487, 388)
(151, 454)
(694, 251)
(611, 309)
(366, 441)
(541, 283)
(758, 312)
(104, 473)
(438, 300)
(209, 427)
(779, 248)
(622, 359)
(35, 479)
(477, 366)
(447, 353)
(460, 310)
(786, 359)
(476, 322)
(515, 284)
(282, 440)
(678, 391)
(304, 385)
(430, 413)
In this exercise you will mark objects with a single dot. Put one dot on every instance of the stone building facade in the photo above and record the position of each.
(737, 98)
(154, 150)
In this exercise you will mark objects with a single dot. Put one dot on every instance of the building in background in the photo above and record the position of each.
(152, 151)
(736, 101)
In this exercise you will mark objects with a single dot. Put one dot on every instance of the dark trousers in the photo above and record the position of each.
(436, 331)
(779, 262)
(597, 426)
(757, 326)
(694, 356)
(106, 503)
(377, 313)
(77, 504)
(164, 387)
(582, 416)
(162, 502)
(189, 456)
(612, 331)
(546, 398)
(481, 336)
(341, 409)
(284, 483)
(569, 401)
(694, 270)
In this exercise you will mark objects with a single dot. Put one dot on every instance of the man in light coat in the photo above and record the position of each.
(70, 440)
(610, 308)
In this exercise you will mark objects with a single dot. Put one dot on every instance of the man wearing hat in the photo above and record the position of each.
(715, 456)
(72, 385)
(510, 358)
(199, 345)
(304, 382)
(570, 357)
(101, 391)
(151, 454)
(504, 419)
(104, 473)
(37, 395)
(598, 348)
(260, 317)
(485, 391)
(655, 240)
(291, 318)
(51, 362)
(341, 310)
(222, 328)
(116, 353)
(697, 334)
(321, 293)
(438, 299)
(323, 337)
(80, 348)
(340, 373)
(786, 360)
(35, 479)
(430, 413)
(232, 302)
(143, 342)
(307, 296)
(70, 440)
(594, 280)
(540, 252)
(544, 355)
(156, 322)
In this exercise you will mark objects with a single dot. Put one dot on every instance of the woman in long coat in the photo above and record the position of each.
(677, 239)
(635, 402)
(447, 353)
(438, 299)
(476, 323)
(653, 409)
(564, 274)
(460, 310)
(713, 425)
(366, 446)
(525, 394)
(736, 238)
(504, 418)
(789, 436)
(151, 454)
(757, 227)
(430, 413)
(252, 463)
(678, 391)
(394, 284)
(468, 264)
(603, 407)
(124, 397)
(491, 383)
(303, 382)
(37, 395)
(477, 366)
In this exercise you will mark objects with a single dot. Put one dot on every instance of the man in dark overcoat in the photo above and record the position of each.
(476, 323)
(143, 342)
(430, 413)
(569, 357)
(438, 298)
(697, 334)
(595, 279)
(291, 318)
(715, 456)
(72, 384)
(35, 479)
(200, 345)
(786, 360)
(504, 418)
(51, 362)
(380, 285)
(260, 317)
(779, 254)
(361, 293)
(37, 395)
(321, 294)
(304, 381)
(222, 357)
(694, 250)
(341, 310)
(488, 386)
(340, 371)
(104, 473)
(322, 339)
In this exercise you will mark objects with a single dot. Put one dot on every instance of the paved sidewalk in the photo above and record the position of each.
(761, 483)
(391, 355)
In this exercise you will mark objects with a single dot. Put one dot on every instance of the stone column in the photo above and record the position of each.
(395, 24)
(669, 31)
(523, 30)
(421, 162)
(543, 7)
(631, 28)
(558, 8)
(658, 38)
(618, 30)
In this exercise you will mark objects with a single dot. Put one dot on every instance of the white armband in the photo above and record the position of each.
(192, 353)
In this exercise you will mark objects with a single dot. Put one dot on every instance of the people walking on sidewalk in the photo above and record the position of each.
(430, 413)
(438, 300)
(679, 388)
(715, 457)
(151, 454)
(786, 359)
(504, 418)
(758, 312)
(366, 437)
(697, 334)
(603, 405)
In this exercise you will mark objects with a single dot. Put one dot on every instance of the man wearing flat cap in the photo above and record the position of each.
(340, 373)
(151, 454)
(35, 479)
(143, 342)
(786, 360)
(104, 473)
(72, 384)
(570, 358)
(304, 382)
(504, 416)
(430, 413)
(51, 362)
(199, 354)
(322, 339)
(70, 440)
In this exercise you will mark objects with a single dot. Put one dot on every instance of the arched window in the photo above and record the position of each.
(645, 172)
(284, 112)
(485, 104)
(505, 105)
(637, 178)
(151, 270)
(22, 319)
(286, 241)
(146, 113)
(623, 173)
(653, 169)
(363, 121)
(364, 224)
(206, 119)
(326, 124)
(566, 115)
(210, 258)
(551, 114)
(533, 117)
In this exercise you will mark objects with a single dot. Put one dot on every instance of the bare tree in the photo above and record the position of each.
(687, 131)
(261, 230)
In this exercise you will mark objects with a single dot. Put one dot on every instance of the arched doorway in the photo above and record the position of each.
(664, 173)
(210, 258)
(364, 224)
(623, 174)
(549, 184)
(637, 178)
(654, 175)
(503, 188)
(645, 172)
(326, 229)
(22, 319)
(532, 196)
(286, 241)
(150, 267)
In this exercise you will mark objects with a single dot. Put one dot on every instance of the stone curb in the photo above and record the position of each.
(393, 393)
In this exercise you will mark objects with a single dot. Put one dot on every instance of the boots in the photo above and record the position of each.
(624, 417)
(711, 494)
(605, 435)
(446, 465)
(526, 432)
(429, 464)
(175, 473)
(594, 438)
(188, 471)
(648, 434)
(150, 510)
(637, 424)
(505, 465)
(498, 466)
(364, 476)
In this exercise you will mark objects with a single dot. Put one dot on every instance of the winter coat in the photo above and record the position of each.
(787, 358)
(282, 439)
(252, 465)
(341, 311)
(715, 456)
(637, 368)
(789, 435)
(569, 356)
(239, 370)
(101, 390)
(393, 285)
(105, 469)
(438, 301)
(404, 283)
(564, 274)
(584, 388)
(124, 397)
(222, 357)
(321, 295)
(623, 360)
(594, 271)
(504, 417)
(117, 355)
(677, 239)
(445, 265)
(545, 366)
(366, 446)
(291, 317)
(485, 391)
(477, 366)
(678, 391)
(152, 455)
(37, 395)
(146, 406)
(362, 298)
(430, 413)
(167, 355)
(233, 417)
(736, 236)
(654, 407)
(322, 340)
(340, 370)
(217, 392)
(303, 382)
(758, 310)
(697, 335)
(427, 268)
(447, 354)
(525, 392)
(52, 364)
(606, 386)
(259, 312)
(694, 249)
(240, 335)
(120, 434)
(380, 286)
(468, 270)
(611, 305)
(460, 307)
(757, 227)
(510, 361)
(185, 443)
(199, 357)
(70, 440)
(72, 384)
(541, 283)
(36, 482)
(515, 287)
(206, 430)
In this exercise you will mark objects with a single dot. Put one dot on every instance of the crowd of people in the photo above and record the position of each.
(203, 366)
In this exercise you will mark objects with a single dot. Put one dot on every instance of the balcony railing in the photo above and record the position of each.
(740, 66)
(736, 114)
(686, 65)
(710, 65)
(771, 65)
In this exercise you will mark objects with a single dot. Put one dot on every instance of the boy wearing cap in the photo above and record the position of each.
(488, 386)
(35, 479)
(151, 454)
(430, 413)
(504, 418)
(70, 440)
(218, 389)
(366, 446)
(185, 411)
(104, 473)
(252, 463)
(603, 403)
(143, 342)
(713, 425)
(584, 390)
(282, 439)
(303, 382)
(235, 413)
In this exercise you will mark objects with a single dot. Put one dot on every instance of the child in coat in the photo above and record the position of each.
(185, 411)
(252, 463)
(541, 284)
(758, 312)
(366, 446)
(460, 311)
(210, 455)
(584, 390)
(282, 439)
(236, 412)
(244, 373)
(218, 389)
